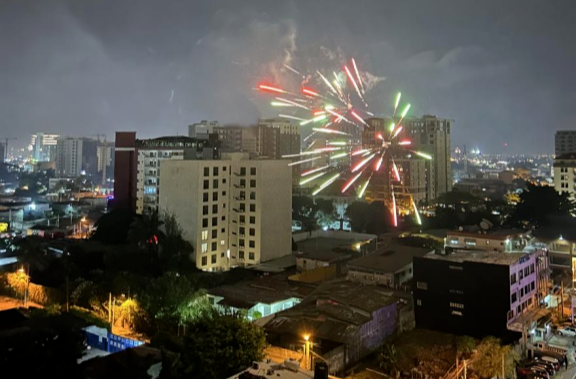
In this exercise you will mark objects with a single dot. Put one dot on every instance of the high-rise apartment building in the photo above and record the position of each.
(137, 165)
(278, 137)
(235, 211)
(3, 152)
(431, 135)
(76, 156)
(232, 138)
(565, 174)
(43, 147)
(564, 142)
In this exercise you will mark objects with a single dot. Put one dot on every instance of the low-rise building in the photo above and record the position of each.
(391, 266)
(476, 238)
(344, 322)
(260, 297)
(474, 293)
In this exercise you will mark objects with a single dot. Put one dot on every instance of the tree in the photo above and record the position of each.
(51, 344)
(32, 254)
(357, 213)
(302, 207)
(387, 357)
(114, 227)
(175, 251)
(171, 300)
(377, 218)
(465, 345)
(215, 346)
(537, 203)
(489, 355)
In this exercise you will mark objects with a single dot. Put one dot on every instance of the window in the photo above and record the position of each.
(514, 298)
(242, 171)
(215, 208)
(224, 168)
(521, 291)
(222, 242)
(532, 286)
(241, 243)
(214, 196)
(526, 271)
(459, 268)
(513, 278)
(241, 254)
(457, 313)
(204, 222)
(204, 261)
(214, 233)
(213, 258)
(252, 170)
(242, 195)
(457, 292)
(224, 181)
(206, 184)
(215, 171)
(252, 207)
(419, 302)
(252, 219)
(252, 232)
(532, 268)
(214, 246)
(205, 210)
(205, 196)
(204, 235)
(223, 218)
(242, 219)
(214, 221)
(223, 230)
(242, 183)
(422, 285)
(520, 275)
(457, 305)
(215, 183)
(223, 193)
(242, 231)
(251, 256)
(252, 195)
(204, 247)
(252, 183)
(206, 171)
(252, 244)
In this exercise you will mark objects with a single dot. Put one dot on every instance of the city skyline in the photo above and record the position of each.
(77, 67)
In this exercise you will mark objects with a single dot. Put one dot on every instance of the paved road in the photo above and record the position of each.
(566, 374)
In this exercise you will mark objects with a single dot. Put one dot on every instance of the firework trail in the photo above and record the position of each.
(326, 104)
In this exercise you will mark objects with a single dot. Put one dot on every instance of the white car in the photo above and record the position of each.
(568, 331)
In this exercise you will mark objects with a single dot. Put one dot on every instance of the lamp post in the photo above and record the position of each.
(307, 351)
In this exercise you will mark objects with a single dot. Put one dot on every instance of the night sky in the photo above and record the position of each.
(504, 70)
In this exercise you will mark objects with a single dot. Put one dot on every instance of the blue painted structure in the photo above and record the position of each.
(102, 339)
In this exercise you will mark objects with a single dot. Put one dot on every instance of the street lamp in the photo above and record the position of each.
(307, 351)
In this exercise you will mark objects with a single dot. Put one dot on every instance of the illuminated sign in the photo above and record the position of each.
(3, 227)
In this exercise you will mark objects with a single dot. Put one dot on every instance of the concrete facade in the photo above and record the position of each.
(235, 211)
(565, 174)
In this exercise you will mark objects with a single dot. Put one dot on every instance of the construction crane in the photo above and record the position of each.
(104, 155)
(5, 157)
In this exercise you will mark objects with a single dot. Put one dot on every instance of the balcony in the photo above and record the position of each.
(239, 198)
(239, 186)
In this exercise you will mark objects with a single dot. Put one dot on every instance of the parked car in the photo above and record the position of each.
(554, 361)
(568, 331)
(541, 370)
(547, 365)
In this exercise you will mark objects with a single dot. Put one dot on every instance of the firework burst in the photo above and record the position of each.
(326, 105)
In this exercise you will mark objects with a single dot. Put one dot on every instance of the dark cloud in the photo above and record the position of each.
(502, 70)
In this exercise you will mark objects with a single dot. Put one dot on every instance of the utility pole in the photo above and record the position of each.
(503, 368)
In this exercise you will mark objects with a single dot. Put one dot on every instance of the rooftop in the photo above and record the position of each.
(327, 246)
(488, 257)
(389, 259)
(334, 311)
(266, 290)
(280, 371)
(497, 233)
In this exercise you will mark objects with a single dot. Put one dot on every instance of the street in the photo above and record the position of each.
(566, 374)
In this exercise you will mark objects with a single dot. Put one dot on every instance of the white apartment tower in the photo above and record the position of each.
(235, 211)
(565, 174)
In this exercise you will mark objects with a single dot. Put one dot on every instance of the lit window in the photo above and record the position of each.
(204, 247)
(457, 305)
(422, 285)
(204, 235)
(222, 242)
(419, 302)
